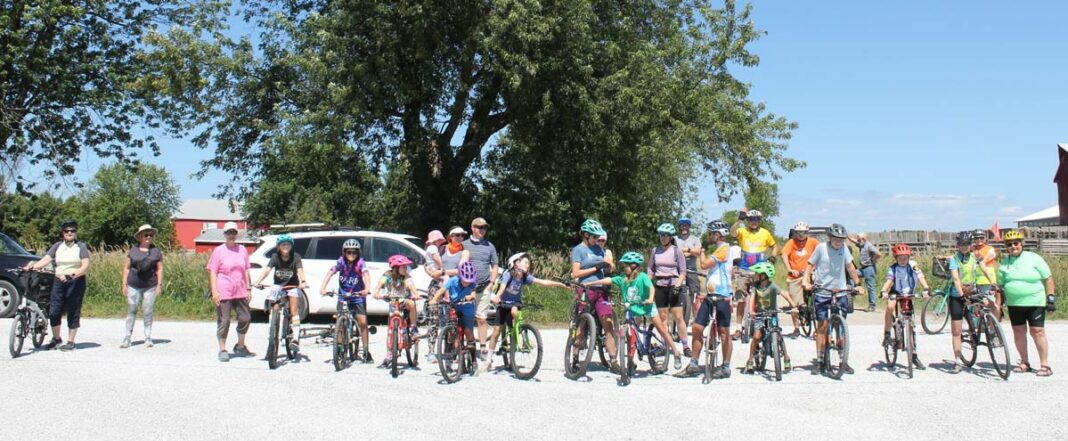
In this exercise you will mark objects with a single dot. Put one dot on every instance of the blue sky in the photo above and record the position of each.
(913, 114)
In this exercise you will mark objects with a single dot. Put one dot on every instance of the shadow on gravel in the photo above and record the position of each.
(155, 341)
(86, 345)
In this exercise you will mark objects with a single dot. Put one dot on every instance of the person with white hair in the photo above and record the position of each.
(869, 256)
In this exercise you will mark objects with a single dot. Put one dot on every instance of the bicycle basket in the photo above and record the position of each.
(940, 267)
(38, 286)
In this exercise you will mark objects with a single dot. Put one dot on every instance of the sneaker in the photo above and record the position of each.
(413, 332)
(242, 351)
(917, 363)
(431, 358)
(149, 343)
(748, 368)
(690, 371)
(817, 367)
(223, 356)
(957, 368)
(69, 346)
(786, 366)
(847, 368)
(125, 343)
(871, 308)
(482, 354)
(687, 352)
(795, 334)
(386, 361)
(294, 347)
(613, 366)
(367, 357)
(54, 343)
(721, 373)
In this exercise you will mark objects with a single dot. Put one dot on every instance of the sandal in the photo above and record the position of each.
(1023, 367)
(1045, 371)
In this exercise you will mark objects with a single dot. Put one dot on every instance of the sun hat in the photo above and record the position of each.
(142, 229)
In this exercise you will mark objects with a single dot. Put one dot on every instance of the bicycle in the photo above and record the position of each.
(398, 337)
(689, 305)
(583, 325)
(456, 355)
(979, 321)
(903, 333)
(31, 316)
(837, 335)
(641, 340)
(346, 341)
(771, 342)
(935, 315)
(712, 343)
(806, 314)
(521, 340)
(280, 329)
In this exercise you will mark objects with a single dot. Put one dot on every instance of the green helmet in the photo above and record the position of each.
(666, 229)
(632, 257)
(283, 239)
(764, 268)
(592, 227)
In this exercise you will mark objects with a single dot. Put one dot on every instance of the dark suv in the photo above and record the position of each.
(12, 255)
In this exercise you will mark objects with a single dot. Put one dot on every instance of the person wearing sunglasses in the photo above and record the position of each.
(353, 283)
(667, 267)
(483, 255)
(1027, 286)
(229, 276)
(609, 258)
(142, 277)
(758, 245)
(71, 258)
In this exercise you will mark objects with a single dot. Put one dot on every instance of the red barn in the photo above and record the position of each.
(197, 216)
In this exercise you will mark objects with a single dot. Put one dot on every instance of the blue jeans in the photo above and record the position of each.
(868, 274)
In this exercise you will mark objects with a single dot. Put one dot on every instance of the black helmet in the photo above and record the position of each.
(837, 230)
(979, 234)
(69, 223)
(965, 237)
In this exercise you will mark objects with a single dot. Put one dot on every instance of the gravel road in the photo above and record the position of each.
(177, 390)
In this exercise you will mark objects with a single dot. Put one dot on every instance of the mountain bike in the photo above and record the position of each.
(521, 345)
(641, 340)
(771, 343)
(31, 316)
(712, 343)
(280, 329)
(741, 297)
(935, 313)
(398, 337)
(806, 314)
(346, 341)
(456, 355)
(979, 322)
(902, 333)
(837, 335)
(585, 333)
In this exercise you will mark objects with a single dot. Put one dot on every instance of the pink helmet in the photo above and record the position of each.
(399, 260)
(434, 237)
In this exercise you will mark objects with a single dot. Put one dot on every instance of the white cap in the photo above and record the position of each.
(457, 230)
(230, 226)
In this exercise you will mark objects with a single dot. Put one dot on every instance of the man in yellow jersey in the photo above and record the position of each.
(758, 245)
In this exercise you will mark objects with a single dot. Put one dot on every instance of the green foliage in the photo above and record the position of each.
(33, 220)
(183, 293)
(119, 199)
(73, 77)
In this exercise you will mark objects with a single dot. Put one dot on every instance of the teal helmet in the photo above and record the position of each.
(764, 268)
(592, 227)
(632, 257)
(667, 229)
(283, 239)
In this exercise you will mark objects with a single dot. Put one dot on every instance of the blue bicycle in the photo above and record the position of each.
(640, 340)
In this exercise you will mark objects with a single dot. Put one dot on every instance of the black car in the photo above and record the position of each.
(12, 255)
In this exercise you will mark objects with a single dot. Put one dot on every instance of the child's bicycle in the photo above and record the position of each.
(279, 328)
(456, 355)
(398, 337)
(641, 340)
(902, 333)
(521, 347)
(346, 341)
(771, 343)
(31, 316)
(584, 334)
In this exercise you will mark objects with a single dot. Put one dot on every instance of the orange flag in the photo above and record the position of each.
(997, 232)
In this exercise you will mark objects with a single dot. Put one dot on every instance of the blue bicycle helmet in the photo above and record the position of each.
(684, 221)
(283, 239)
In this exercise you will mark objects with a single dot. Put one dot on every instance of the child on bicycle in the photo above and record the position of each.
(398, 283)
(461, 291)
(718, 266)
(639, 297)
(288, 279)
(901, 278)
(510, 292)
(352, 282)
(764, 297)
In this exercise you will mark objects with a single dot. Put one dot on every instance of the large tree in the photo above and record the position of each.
(457, 105)
(119, 199)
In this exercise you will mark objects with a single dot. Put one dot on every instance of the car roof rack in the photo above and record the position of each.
(308, 227)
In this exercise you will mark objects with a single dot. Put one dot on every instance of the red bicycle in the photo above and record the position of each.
(399, 338)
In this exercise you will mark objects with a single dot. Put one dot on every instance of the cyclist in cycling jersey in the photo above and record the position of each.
(588, 264)
(510, 293)
(964, 269)
(765, 297)
(288, 272)
(901, 278)
(827, 269)
(667, 267)
(718, 266)
(398, 283)
(352, 282)
(988, 256)
(757, 245)
(461, 291)
(796, 253)
(638, 297)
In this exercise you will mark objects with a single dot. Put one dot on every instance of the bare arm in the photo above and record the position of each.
(577, 272)
(956, 281)
(125, 275)
(263, 275)
(552, 283)
(159, 277)
(43, 262)
(852, 270)
(1051, 288)
(326, 279)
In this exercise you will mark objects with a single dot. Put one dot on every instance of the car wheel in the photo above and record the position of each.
(9, 299)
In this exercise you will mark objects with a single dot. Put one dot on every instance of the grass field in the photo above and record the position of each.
(185, 283)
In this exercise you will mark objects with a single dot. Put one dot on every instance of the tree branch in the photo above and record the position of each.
(459, 103)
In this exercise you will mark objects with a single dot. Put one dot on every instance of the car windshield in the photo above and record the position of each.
(9, 246)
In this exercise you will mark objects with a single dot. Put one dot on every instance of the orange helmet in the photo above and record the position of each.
(902, 249)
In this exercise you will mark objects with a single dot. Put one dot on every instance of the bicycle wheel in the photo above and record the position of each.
(934, 317)
(394, 345)
(19, 329)
(999, 351)
(890, 347)
(341, 343)
(625, 351)
(805, 320)
(761, 355)
(355, 340)
(969, 340)
(711, 352)
(836, 352)
(272, 338)
(577, 362)
(657, 350)
(450, 358)
(411, 351)
(601, 336)
(287, 332)
(776, 353)
(40, 331)
(526, 352)
(908, 344)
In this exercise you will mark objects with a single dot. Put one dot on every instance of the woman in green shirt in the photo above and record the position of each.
(1025, 280)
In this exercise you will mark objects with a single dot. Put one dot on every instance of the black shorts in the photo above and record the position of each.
(358, 308)
(723, 312)
(667, 297)
(956, 308)
(504, 314)
(1034, 316)
(693, 283)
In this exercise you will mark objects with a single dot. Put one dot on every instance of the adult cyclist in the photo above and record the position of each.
(831, 261)
(758, 245)
(988, 257)
(718, 266)
(691, 249)
(588, 265)
(795, 255)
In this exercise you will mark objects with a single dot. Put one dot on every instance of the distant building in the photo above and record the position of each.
(197, 216)
(208, 240)
(1046, 218)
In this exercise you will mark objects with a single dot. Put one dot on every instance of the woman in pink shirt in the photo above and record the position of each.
(229, 267)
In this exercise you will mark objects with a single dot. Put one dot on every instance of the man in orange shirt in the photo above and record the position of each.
(987, 257)
(795, 254)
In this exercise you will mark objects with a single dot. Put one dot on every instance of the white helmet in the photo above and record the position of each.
(515, 257)
(801, 226)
